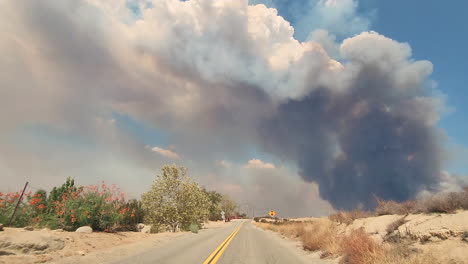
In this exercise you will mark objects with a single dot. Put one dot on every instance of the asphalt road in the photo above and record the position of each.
(238, 242)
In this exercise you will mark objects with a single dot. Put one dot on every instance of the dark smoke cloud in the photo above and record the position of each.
(372, 138)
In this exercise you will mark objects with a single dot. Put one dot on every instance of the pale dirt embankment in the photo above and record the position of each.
(414, 238)
(49, 246)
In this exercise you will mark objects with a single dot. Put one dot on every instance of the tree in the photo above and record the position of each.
(215, 207)
(175, 200)
(228, 206)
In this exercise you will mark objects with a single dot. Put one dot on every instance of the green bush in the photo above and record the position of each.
(194, 227)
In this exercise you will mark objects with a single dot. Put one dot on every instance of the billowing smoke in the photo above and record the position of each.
(375, 136)
(220, 77)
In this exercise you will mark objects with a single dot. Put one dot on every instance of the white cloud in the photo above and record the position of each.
(165, 153)
(258, 164)
(281, 189)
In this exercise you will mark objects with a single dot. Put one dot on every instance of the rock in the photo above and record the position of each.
(1, 227)
(146, 229)
(29, 228)
(465, 236)
(84, 229)
(81, 253)
(140, 226)
(143, 228)
(432, 228)
(34, 242)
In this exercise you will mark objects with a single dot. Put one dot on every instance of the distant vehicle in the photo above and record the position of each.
(230, 218)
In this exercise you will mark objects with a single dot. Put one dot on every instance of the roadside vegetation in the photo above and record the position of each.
(328, 236)
(435, 203)
(173, 202)
(357, 247)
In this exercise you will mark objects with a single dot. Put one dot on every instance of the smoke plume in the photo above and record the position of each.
(221, 78)
(375, 136)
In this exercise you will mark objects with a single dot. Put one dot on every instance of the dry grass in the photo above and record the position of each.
(355, 248)
(359, 248)
(344, 217)
(402, 254)
(446, 202)
(437, 203)
(316, 235)
(321, 236)
(396, 208)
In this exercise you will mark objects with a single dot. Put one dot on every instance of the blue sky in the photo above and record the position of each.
(437, 31)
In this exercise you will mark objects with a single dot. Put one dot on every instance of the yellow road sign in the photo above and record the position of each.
(272, 213)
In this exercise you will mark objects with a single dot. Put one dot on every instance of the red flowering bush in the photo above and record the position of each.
(69, 207)
(101, 207)
(8, 203)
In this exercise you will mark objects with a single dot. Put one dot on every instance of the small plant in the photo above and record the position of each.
(347, 218)
(194, 228)
(24, 214)
(445, 203)
(359, 248)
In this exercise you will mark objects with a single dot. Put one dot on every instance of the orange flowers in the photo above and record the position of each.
(123, 211)
(34, 201)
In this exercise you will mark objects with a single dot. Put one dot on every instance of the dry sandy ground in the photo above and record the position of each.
(440, 235)
(87, 248)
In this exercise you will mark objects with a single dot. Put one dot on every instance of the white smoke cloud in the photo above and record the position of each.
(341, 18)
(165, 152)
(258, 164)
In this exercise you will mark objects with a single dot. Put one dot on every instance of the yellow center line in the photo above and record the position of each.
(216, 254)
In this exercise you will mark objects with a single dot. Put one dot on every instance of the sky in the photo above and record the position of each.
(302, 107)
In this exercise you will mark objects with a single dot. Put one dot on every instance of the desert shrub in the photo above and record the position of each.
(396, 208)
(359, 248)
(257, 219)
(435, 203)
(321, 235)
(347, 218)
(299, 229)
(445, 202)
(133, 215)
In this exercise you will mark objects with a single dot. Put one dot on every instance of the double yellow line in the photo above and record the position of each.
(214, 257)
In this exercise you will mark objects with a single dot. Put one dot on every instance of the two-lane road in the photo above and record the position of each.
(236, 242)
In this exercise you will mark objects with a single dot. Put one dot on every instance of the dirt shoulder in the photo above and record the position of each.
(46, 246)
